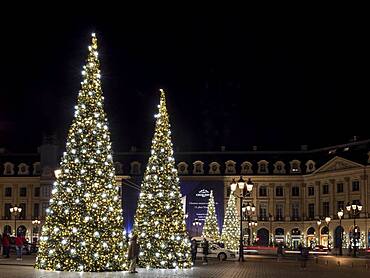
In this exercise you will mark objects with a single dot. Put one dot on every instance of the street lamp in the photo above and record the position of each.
(36, 223)
(354, 210)
(15, 211)
(196, 223)
(340, 215)
(249, 210)
(327, 220)
(241, 184)
(319, 224)
(251, 225)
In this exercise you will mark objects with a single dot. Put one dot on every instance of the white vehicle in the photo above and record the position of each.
(214, 250)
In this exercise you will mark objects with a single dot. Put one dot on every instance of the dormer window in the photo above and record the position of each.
(214, 168)
(118, 168)
(182, 168)
(310, 166)
(295, 166)
(36, 169)
(246, 168)
(135, 168)
(263, 167)
(279, 167)
(198, 168)
(8, 168)
(23, 169)
(230, 167)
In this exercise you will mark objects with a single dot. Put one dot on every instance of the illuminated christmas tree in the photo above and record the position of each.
(84, 225)
(159, 219)
(231, 227)
(211, 226)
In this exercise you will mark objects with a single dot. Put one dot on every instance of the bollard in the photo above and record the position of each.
(326, 262)
(338, 263)
(352, 264)
(316, 260)
(366, 266)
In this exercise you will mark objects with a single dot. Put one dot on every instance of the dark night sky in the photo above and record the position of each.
(271, 83)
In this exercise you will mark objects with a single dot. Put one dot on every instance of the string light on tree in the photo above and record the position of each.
(231, 226)
(159, 219)
(211, 229)
(77, 234)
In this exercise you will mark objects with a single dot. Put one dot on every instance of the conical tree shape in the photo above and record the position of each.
(210, 228)
(231, 227)
(84, 225)
(159, 219)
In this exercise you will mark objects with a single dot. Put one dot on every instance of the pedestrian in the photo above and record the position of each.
(133, 253)
(304, 257)
(193, 247)
(205, 250)
(19, 247)
(279, 251)
(6, 245)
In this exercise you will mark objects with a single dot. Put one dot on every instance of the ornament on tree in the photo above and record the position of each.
(159, 219)
(83, 230)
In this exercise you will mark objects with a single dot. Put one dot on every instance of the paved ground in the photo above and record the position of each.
(254, 266)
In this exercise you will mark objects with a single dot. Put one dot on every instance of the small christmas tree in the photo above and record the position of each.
(211, 226)
(231, 227)
(159, 219)
(84, 225)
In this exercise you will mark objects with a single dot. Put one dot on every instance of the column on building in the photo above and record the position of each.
(287, 201)
(332, 193)
(317, 199)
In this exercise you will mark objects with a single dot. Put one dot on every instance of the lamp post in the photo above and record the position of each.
(354, 210)
(36, 223)
(196, 223)
(251, 225)
(15, 211)
(340, 215)
(319, 232)
(327, 220)
(242, 185)
(249, 210)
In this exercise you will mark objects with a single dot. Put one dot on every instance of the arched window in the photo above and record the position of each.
(246, 168)
(310, 166)
(230, 167)
(263, 167)
(279, 167)
(8, 168)
(135, 168)
(182, 168)
(311, 231)
(23, 169)
(295, 166)
(279, 231)
(118, 168)
(198, 168)
(214, 168)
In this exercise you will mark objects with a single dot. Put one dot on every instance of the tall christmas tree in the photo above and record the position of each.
(159, 219)
(231, 227)
(84, 225)
(210, 228)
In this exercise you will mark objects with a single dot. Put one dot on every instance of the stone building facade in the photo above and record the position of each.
(292, 189)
